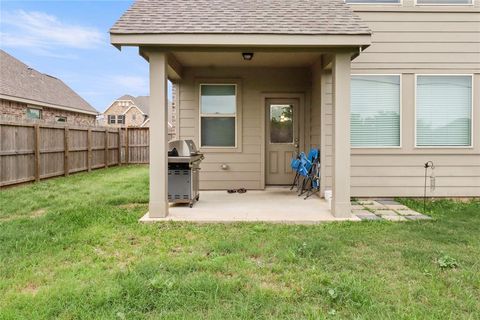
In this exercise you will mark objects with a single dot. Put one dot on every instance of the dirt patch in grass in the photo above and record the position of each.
(30, 289)
(32, 215)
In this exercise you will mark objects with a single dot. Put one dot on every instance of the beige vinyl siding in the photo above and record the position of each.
(245, 167)
(421, 39)
(408, 42)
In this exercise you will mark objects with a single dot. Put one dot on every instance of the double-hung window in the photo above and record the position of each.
(444, 111)
(375, 111)
(111, 119)
(218, 115)
(121, 119)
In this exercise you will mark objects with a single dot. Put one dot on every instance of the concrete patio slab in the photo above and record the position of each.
(273, 205)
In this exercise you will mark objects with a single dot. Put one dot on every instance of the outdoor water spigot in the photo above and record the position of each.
(428, 164)
(432, 180)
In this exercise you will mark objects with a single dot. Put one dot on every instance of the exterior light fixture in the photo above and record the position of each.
(247, 56)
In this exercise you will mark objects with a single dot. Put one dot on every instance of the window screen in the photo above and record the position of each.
(444, 110)
(375, 111)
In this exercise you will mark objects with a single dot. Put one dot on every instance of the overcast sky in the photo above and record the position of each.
(69, 40)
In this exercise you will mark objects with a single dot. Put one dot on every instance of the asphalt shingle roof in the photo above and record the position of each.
(19, 80)
(307, 17)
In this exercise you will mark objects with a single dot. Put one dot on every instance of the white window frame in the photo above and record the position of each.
(212, 115)
(471, 111)
(400, 110)
(34, 108)
(445, 4)
(375, 3)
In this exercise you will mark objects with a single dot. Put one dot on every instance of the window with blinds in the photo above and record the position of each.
(444, 111)
(375, 111)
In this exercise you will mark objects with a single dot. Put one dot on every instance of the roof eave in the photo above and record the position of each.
(241, 40)
(47, 105)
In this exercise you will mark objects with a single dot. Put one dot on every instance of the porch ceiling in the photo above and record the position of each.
(235, 59)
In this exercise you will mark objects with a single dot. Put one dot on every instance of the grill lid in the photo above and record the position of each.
(184, 148)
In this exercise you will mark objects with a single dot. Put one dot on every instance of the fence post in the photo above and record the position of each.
(119, 146)
(66, 151)
(106, 148)
(37, 152)
(89, 150)
(127, 147)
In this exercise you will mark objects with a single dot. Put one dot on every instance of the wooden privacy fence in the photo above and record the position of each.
(31, 152)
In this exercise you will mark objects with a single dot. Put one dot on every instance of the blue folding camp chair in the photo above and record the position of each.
(311, 174)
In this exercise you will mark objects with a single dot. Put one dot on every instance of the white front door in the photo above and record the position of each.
(282, 139)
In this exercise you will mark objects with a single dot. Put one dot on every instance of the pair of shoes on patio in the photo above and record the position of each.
(241, 190)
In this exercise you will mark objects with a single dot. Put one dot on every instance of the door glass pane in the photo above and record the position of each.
(281, 123)
(218, 131)
(218, 99)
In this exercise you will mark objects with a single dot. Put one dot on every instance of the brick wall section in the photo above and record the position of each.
(17, 111)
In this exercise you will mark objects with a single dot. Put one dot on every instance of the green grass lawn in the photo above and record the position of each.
(72, 248)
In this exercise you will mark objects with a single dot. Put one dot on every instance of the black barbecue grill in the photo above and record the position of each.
(183, 172)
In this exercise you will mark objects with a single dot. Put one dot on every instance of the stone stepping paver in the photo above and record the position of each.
(369, 217)
(384, 209)
(375, 205)
(388, 202)
(418, 217)
(386, 213)
(396, 207)
(394, 218)
(408, 212)
(357, 207)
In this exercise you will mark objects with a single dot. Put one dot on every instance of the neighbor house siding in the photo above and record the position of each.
(412, 40)
(244, 167)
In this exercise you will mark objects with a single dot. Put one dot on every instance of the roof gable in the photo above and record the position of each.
(285, 17)
(17, 80)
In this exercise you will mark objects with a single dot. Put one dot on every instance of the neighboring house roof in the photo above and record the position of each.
(21, 83)
(285, 17)
(142, 103)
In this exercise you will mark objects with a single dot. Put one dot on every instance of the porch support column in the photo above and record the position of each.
(158, 206)
(341, 207)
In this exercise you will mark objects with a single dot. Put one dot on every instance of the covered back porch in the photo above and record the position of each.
(291, 61)
(317, 81)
